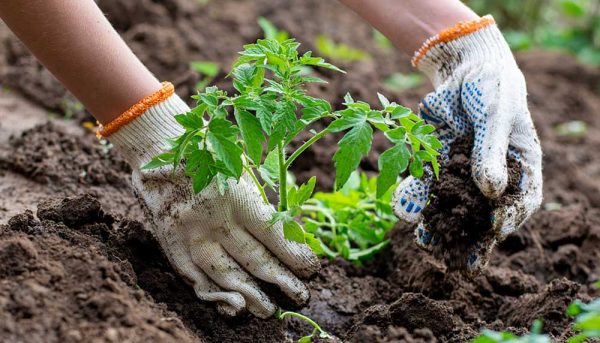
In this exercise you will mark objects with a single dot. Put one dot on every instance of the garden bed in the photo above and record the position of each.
(80, 265)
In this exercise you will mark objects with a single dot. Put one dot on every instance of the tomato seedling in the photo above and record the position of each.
(270, 109)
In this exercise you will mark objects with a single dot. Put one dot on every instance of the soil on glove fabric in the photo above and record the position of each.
(81, 265)
(458, 216)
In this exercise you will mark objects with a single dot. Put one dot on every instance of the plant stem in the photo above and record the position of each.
(261, 189)
(308, 320)
(283, 205)
(305, 146)
(330, 218)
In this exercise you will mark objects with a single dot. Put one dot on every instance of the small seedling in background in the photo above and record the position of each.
(271, 31)
(574, 129)
(207, 70)
(338, 51)
(351, 222)
(587, 319)
(586, 324)
(536, 336)
(270, 93)
(399, 82)
(317, 330)
(382, 41)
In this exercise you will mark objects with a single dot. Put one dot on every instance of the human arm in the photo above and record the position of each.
(74, 40)
(408, 23)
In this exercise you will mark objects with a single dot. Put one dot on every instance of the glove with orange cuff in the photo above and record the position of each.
(221, 244)
(479, 92)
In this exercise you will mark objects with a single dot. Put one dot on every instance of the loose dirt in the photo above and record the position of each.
(458, 216)
(84, 267)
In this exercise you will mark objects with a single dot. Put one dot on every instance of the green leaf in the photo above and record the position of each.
(204, 172)
(397, 135)
(159, 161)
(391, 162)
(276, 136)
(348, 99)
(400, 112)
(191, 120)
(383, 100)
(352, 148)
(350, 119)
(367, 253)
(285, 114)
(292, 231)
(305, 191)
(314, 243)
(222, 134)
(251, 133)
(269, 170)
(416, 167)
(306, 339)
(207, 68)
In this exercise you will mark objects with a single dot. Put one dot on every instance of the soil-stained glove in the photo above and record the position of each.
(221, 244)
(479, 91)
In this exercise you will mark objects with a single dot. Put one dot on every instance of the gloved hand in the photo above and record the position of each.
(479, 91)
(219, 243)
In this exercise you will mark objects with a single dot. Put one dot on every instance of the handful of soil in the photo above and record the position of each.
(459, 215)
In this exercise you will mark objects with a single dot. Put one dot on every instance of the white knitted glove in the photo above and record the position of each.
(479, 91)
(220, 243)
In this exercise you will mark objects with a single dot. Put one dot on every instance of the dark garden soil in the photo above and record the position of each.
(458, 215)
(79, 266)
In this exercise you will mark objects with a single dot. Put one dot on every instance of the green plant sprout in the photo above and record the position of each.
(208, 71)
(382, 41)
(587, 319)
(351, 222)
(339, 51)
(586, 324)
(399, 81)
(271, 31)
(280, 314)
(270, 92)
(536, 336)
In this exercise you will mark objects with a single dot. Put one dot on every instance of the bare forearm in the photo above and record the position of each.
(408, 23)
(73, 39)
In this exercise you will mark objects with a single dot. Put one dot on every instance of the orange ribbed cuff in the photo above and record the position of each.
(463, 28)
(136, 110)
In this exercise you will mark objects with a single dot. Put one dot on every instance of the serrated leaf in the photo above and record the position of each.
(305, 191)
(352, 148)
(251, 131)
(391, 163)
(350, 119)
(222, 135)
(292, 231)
(285, 114)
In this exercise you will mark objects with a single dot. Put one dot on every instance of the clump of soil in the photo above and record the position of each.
(459, 215)
(58, 284)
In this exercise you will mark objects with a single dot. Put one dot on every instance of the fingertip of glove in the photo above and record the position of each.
(491, 181)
